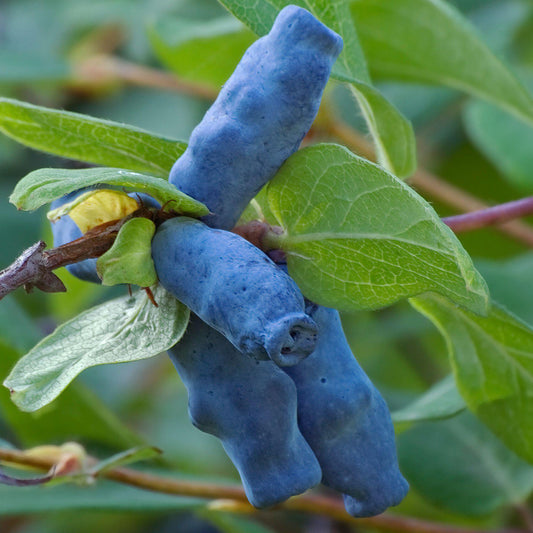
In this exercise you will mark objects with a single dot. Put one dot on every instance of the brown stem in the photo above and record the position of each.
(35, 265)
(314, 504)
(526, 514)
(109, 68)
(430, 184)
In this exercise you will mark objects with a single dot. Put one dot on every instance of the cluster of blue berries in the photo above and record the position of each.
(267, 372)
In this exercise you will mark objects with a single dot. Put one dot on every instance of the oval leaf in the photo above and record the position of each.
(121, 330)
(393, 134)
(459, 465)
(492, 360)
(89, 139)
(204, 51)
(129, 260)
(46, 184)
(358, 238)
(127, 457)
(429, 41)
(78, 411)
(505, 140)
(442, 400)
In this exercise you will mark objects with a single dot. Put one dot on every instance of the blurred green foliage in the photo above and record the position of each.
(459, 471)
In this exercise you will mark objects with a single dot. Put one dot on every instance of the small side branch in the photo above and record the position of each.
(491, 215)
(35, 265)
(29, 271)
(227, 497)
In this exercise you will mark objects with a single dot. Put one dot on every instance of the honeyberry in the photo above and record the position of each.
(251, 407)
(235, 288)
(260, 116)
(346, 422)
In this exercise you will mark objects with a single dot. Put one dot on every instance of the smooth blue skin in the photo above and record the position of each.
(251, 407)
(346, 422)
(260, 116)
(235, 288)
(65, 230)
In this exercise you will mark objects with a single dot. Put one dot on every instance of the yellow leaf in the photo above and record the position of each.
(102, 206)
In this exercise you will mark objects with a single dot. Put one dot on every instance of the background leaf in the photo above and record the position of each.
(429, 41)
(492, 360)
(510, 283)
(357, 237)
(121, 330)
(504, 139)
(133, 455)
(392, 133)
(232, 523)
(77, 414)
(442, 400)
(18, 68)
(106, 495)
(46, 184)
(459, 465)
(88, 139)
(204, 51)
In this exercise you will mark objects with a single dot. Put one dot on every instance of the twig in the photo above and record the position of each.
(107, 68)
(526, 514)
(314, 504)
(491, 215)
(430, 184)
(34, 266)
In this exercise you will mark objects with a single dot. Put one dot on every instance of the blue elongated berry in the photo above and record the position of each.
(65, 230)
(235, 288)
(346, 422)
(260, 116)
(251, 407)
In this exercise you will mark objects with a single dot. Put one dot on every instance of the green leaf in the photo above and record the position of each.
(429, 41)
(459, 465)
(129, 260)
(492, 360)
(510, 283)
(17, 329)
(42, 186)
(89, 139)
(333, 13)
(121, 330)
(356, 237)
(202, 51)
(104, 496)
(232, 523)
(504, 139)
(133, 455)
(78, 412)
(442, 400)
(7, 445)
(19, 68)
(392, 133)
